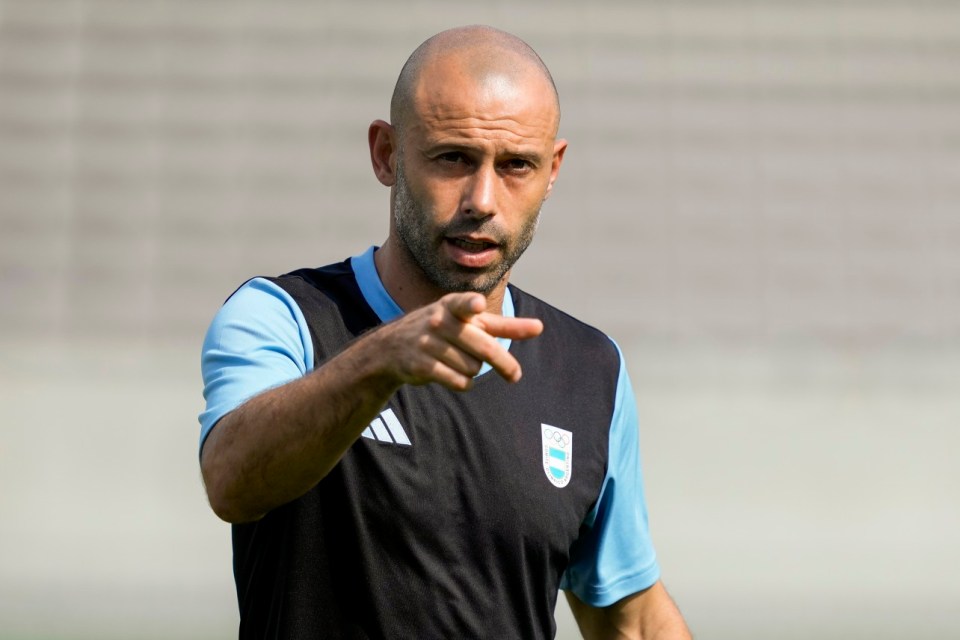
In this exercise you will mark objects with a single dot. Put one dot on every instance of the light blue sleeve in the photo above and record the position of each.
(259, 339)
(614, 556)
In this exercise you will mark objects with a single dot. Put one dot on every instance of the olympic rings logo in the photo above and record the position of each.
(561, 440)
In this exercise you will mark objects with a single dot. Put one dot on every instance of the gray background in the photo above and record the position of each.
(761, 203)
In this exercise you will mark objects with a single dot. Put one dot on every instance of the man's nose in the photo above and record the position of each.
(479, 198)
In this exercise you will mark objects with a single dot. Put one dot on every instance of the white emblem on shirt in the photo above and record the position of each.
(557, 454)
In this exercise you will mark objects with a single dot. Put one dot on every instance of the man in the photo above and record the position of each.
(408, 447)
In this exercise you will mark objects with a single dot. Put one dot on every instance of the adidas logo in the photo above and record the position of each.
(387, 429)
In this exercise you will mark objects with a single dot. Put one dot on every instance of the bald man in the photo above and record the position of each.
(406, 445)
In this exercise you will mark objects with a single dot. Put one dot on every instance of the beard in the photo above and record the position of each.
(423, 243)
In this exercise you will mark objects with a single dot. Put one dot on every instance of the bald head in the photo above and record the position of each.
(480, 53)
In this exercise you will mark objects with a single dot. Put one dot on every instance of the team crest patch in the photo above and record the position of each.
(557, 454)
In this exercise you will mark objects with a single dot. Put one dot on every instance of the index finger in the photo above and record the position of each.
(513, 328)
(479, 338)
(474, 339)
(464, 305)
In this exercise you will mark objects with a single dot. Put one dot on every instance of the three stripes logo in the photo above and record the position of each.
(387, 429)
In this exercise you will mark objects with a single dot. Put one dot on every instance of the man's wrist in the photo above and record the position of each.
(367, 361)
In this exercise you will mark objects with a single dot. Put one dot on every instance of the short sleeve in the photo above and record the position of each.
(614, 556)
(259, 339)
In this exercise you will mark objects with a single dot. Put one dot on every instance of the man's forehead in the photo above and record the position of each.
(456, 126)
(449, 92)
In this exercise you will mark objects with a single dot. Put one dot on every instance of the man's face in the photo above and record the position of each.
(475, 165)
(424, 238)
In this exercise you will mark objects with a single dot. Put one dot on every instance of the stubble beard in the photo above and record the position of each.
(412, 224)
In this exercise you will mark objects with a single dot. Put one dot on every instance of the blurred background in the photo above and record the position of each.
(760, 203)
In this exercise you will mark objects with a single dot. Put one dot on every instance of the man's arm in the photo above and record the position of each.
(279, 444)
(649, 614)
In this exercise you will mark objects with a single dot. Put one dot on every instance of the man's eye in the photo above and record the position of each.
(516, 164)
(452, 157)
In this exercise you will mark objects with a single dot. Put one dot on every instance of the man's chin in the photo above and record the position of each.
(483, 282)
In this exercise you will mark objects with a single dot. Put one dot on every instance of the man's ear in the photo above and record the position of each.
(382, 138)
(559, 148)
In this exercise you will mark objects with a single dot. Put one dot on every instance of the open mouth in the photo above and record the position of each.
(470, 245)
(475, 253)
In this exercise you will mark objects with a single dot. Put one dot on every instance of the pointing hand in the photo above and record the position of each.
(448, 341)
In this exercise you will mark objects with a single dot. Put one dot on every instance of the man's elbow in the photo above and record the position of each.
(225, 503)
(226, 498)
(233, 514)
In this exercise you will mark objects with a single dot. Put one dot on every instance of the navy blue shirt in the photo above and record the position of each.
(456, 514)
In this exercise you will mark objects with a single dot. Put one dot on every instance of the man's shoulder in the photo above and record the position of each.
(299, 280)
(330, 284)
(328, 294)
(320, 278)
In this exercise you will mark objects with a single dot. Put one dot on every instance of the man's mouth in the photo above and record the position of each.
(473, 246)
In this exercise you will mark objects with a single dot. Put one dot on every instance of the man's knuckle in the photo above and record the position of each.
(436, 318)
(424, 343)
(420, 369)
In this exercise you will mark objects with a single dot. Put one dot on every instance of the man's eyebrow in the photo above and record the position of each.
(447, 145)
(530, 154)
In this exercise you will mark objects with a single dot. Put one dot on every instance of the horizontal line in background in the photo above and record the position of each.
(656, 39)
(748, 174)
(224, 86)
(317, 17)
(683, 163)
(307, 144)
(265, 89)
(296, 134)
(240, 186)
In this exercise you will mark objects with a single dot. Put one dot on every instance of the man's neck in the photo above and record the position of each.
(408, 286)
